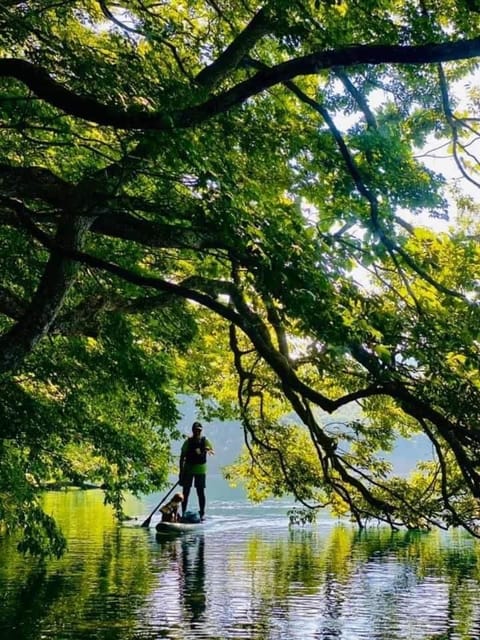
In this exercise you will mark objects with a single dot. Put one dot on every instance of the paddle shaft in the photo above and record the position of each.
(146, 523)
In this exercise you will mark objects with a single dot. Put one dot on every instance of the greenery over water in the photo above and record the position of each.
(244, 574)
(226, 199)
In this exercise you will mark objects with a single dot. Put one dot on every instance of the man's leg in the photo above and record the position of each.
(186, 485)
(200, 487)
(186, 493)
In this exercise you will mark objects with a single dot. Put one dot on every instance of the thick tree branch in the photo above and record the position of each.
(35, 182)
(59, 275)
(43, 85)
(112, 215)
(211, 75)
(358, 96)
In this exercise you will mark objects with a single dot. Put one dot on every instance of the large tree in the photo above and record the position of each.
(196, 192)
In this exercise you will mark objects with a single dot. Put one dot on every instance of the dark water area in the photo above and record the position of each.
(244, 574)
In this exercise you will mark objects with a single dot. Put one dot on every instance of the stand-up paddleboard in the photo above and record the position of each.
(177, 527)
(189, 522)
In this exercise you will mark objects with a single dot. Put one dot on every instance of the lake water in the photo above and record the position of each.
(244, 575)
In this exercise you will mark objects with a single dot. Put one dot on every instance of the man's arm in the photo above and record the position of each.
(181, 463)
(209, 447)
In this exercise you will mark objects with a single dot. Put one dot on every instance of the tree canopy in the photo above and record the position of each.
(220, 198)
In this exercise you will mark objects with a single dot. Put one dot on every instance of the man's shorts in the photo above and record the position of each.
(198, 480)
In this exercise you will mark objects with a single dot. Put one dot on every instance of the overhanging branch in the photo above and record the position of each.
(44, 86)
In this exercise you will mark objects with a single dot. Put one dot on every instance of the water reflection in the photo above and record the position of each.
(240, 578)
(187, 553)
(193, 574)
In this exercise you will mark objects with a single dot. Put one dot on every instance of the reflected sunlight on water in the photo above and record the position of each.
(242, 575)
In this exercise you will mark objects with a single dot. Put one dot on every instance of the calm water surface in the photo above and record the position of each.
(245, 575)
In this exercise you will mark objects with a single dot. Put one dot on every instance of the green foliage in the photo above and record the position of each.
(211, 199)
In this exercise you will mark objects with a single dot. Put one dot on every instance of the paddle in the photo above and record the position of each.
(146, 523)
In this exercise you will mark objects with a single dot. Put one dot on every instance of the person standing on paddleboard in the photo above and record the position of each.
(193, 466)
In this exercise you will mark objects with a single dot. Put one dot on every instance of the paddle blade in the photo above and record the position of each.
(146, 523)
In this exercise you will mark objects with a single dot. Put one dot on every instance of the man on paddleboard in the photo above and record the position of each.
(193, 466)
